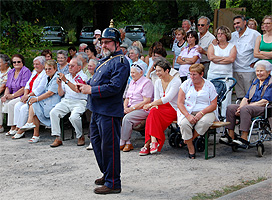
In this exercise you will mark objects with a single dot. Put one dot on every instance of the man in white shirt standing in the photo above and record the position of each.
(71, 102)
(244, 39)
(205, 39)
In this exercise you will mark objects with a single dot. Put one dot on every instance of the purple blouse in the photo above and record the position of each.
(15, 84)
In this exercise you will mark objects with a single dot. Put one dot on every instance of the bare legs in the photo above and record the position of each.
(147, 144)
(32, 118)
(189, 143)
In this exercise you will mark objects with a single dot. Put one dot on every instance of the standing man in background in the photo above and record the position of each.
(205, 39)
(243, 69)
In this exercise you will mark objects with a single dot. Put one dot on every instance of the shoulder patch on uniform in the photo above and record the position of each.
(122, 59)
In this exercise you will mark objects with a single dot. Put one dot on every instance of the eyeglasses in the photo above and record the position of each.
(267, 23)
(201, 25)
(48, 69)
(106, 42)
(14, 62)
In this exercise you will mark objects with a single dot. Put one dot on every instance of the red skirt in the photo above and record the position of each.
(157, 121)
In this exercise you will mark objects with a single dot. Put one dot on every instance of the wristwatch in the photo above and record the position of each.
(66, 82)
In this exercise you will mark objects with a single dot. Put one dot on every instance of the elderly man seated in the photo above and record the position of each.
(252, 105)
(139, 93)
(71, 102)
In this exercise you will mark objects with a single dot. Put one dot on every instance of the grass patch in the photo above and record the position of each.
(226, 190)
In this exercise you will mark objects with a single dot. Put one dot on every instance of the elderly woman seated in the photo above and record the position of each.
(252, 105)
(134, 55)
(16, 81)
(197, 101)
(34, 87)
(162, 109)
(42, 104)
(139, 93)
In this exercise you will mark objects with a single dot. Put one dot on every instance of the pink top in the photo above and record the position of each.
(143, 87)
(185, 53)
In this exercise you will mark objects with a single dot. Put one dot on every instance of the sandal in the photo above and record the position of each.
(11, 132)
(192, 156)
(34, 139)
(18, 136)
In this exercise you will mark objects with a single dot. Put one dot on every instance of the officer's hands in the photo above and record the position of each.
(84, 89)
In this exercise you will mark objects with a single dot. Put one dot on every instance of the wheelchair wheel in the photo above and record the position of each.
(234, 148)
(260, 149)
(179, 141)
(171, 139)
(200, 144)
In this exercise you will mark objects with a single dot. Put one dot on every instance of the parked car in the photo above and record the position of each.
(55, 34)
(86, 34)
(168, 38)
(136, 32)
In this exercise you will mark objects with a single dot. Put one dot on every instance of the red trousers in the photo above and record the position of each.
(157, 121)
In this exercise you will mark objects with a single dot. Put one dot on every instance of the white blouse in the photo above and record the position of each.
(196, 101)
(171, 92)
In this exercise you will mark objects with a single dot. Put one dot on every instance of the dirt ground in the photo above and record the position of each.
(36, 171)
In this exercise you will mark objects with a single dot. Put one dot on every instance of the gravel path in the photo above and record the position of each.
(36, 171)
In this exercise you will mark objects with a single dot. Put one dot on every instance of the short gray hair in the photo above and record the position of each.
(79, 61)
(5, 59)
(63, 52)
(84, 56)
(264, 63)
(135, 49)
(204, 17)
(41, 59)
(187, 20)
(94, 61)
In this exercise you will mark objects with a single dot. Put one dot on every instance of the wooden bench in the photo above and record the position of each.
(211, 131)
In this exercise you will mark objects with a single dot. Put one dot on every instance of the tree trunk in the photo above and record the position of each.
(223, 3)
(102, 14)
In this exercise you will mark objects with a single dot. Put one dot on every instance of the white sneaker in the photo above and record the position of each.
(2, 129)
(90, 147)
(28, 126)
(11, 132)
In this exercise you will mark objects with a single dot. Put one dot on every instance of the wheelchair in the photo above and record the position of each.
(259, 132)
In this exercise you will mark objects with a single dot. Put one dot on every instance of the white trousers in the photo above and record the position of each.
(8, 107)
(186, 128)
(76, 107)
(20, 114)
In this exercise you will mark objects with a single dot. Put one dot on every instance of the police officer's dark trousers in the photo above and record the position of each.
(105, 138)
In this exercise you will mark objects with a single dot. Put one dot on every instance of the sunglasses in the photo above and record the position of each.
(135, 65)
(201, 25)
(14, 62)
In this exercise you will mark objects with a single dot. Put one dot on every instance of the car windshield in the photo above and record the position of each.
(87, 29)
(52, 28)
(134, 29)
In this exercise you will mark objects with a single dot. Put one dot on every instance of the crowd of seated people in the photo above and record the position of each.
(158, 92)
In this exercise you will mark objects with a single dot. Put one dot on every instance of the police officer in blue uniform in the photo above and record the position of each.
(105, 100)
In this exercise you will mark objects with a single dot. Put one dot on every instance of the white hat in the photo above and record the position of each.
(97, 32)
